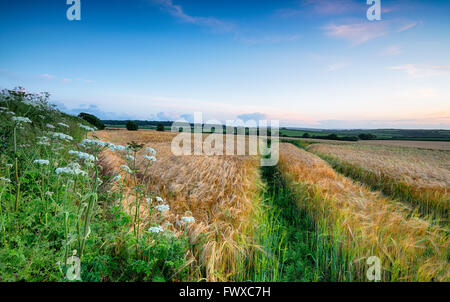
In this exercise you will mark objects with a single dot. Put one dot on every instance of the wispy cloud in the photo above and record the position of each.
(408, 26)
(177, 12)
(356, 33)
(47, 76)
(336, 66)
(322, 7)
(423, 71)
(392, 50)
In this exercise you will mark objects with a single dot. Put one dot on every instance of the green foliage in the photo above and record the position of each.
(287, 236)
(92, 119)
(160, 127)
(367, 136)
(132, 126)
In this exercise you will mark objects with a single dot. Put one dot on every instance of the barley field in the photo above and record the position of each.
(418, 176)
(220, 192)
(361, 223)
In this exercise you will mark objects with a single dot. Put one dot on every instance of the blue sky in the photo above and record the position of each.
(307, 63)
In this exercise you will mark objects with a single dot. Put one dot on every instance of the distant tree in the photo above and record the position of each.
(132, 126)
(92, 119)
(367, 136)
(160, 127)
(306, 135)
(332, 136)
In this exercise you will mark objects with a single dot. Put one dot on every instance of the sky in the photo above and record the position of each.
(306, 63)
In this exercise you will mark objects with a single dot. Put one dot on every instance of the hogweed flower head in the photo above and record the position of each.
(63, 125)
(5, 179)
(156, 230)
(21, 119)
(62, 136)
(82, 155)
(43, 162)
(162, 207)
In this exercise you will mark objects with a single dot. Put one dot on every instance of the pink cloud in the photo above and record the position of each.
(423, 71)
(357, 33)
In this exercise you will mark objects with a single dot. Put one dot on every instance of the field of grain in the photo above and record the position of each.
(362, 223)
(220, 192)
(432, 145)
(419, 176)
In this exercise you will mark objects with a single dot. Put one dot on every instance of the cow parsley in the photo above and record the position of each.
(162, 207)
(62, 136)
(41, 162)
(156, 229)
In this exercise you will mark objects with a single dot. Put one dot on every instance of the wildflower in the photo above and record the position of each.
(130, 157)
(151, 150)
(43, 140)
(159, 199)
(126, 168)
(62, 136)
(120, 148)
(162, 207)
(3, 108)
(10, 112)
(49, 194)
(188, 219)
(5, 179)
(41, 162)
(148, 200)
(63, 125)
(156, 230)
(72, 169)
(83, 155)
(98, 143)
(86, 127)
(150, 158)
(9, 166)
(21, 119)
(117, 178)
(50, 126)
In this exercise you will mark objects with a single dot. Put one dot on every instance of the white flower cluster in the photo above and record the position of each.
(151, 150)
(188, 219)
(63, 125)
(126, 168)
(117, 178)
(43, 140)
(97, 143)
(5, 179)
(120, 148)
(156, 229)
(162, 207)
(83, 155)
(21, 119)
(150, 158)
(159, 199)
(87, 128)
(41, 162)
(149, 200)
(130, 157)
(50, 126)
(3, 109)
(72, 169)
(62, 136)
